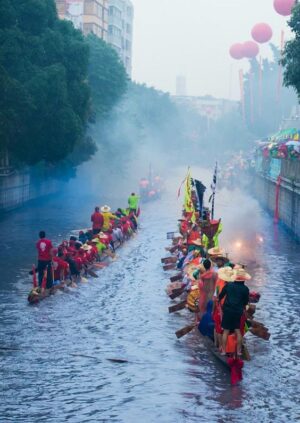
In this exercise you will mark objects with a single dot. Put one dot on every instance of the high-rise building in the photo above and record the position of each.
(111, 20)
(120, 29)
(181, 85)
(86, 15)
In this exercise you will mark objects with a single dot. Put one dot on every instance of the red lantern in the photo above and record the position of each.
(262, 33)
(251, 49)
(284, 7)
(237, 51)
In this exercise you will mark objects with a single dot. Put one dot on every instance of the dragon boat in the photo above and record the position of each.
(184, 285)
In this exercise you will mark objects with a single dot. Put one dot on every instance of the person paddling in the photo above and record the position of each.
(98, 221)
(44, 247)
(237, 298)
(107, 217)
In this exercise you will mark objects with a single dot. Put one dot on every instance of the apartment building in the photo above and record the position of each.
(120, 29)
(86, 15)
(111, 20)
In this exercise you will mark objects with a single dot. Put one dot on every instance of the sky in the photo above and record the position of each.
(193, 37)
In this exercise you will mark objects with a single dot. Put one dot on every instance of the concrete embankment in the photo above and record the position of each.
(277, 186)
(17, 188)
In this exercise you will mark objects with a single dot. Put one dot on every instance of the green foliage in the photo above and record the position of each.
(291, 54)
(43, 74)
(107, 75)
(266, 102)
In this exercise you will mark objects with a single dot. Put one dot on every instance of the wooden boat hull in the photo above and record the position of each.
(35, 295)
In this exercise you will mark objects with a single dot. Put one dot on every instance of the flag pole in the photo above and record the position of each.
(214, 184)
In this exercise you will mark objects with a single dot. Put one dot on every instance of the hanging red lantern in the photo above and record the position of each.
(250, 49)
(262, 33)
(284, 7)
(236, 51)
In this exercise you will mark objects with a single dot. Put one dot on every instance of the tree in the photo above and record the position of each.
(266, 102)
(43, 78)
(107, 75)
(291, 54)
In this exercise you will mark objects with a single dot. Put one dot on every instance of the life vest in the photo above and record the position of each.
(193, 299)
(231, 344)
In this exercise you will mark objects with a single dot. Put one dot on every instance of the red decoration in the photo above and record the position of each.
(276, 212)
(284, 7)
(251, 49)
(236, 51)
(236, 366)
(34, 279)
(262, 33)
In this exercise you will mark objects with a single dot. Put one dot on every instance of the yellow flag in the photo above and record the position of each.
(188, 203)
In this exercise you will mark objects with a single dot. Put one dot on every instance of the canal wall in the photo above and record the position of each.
(277, 187)
(19, 187)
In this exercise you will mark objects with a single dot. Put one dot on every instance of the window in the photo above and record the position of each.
(128, 28)
(128, 45)
(129, 12)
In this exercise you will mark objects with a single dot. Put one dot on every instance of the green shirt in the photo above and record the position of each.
(133, 202)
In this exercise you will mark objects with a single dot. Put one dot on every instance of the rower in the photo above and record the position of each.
(107, 217)
(44, 247)
(97, 219)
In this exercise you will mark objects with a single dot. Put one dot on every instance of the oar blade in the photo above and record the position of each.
(177, 307)
(184, 331)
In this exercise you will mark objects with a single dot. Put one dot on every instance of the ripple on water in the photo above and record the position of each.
(60, 370)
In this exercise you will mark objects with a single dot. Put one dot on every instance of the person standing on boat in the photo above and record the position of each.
(133, 203)
(237, 298)
(97, 219)
(44, 247)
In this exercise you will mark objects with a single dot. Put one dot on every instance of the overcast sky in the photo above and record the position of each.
(192, 37)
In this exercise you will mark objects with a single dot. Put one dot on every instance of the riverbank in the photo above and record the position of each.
(276, 185)
(19, 187)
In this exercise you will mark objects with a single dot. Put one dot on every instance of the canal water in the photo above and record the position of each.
(56, 367)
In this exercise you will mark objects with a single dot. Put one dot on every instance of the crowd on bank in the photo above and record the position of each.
(72, 259)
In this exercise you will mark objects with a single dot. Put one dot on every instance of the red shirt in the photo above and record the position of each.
(79, 263)
(58, 266)
(193, 236)
(44, 247)
(97, 220)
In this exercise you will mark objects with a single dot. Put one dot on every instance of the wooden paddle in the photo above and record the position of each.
(176, 293)
(176, 277)
(177, 307)
(169, 260)
(246, 355)
(184, 331)
(169, 267)
(92, 273)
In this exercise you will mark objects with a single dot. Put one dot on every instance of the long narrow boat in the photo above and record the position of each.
(176, 289)
(36, 294)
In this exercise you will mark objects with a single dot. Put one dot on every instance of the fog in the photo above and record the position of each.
(192, 38)
(148, 128)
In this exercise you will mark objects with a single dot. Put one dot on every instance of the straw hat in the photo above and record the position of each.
(86, 247)
(105, 209)
(96, 240)
(102, 235)
(197, 242)
(226, 274)
(240, 275)
(216, 251)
